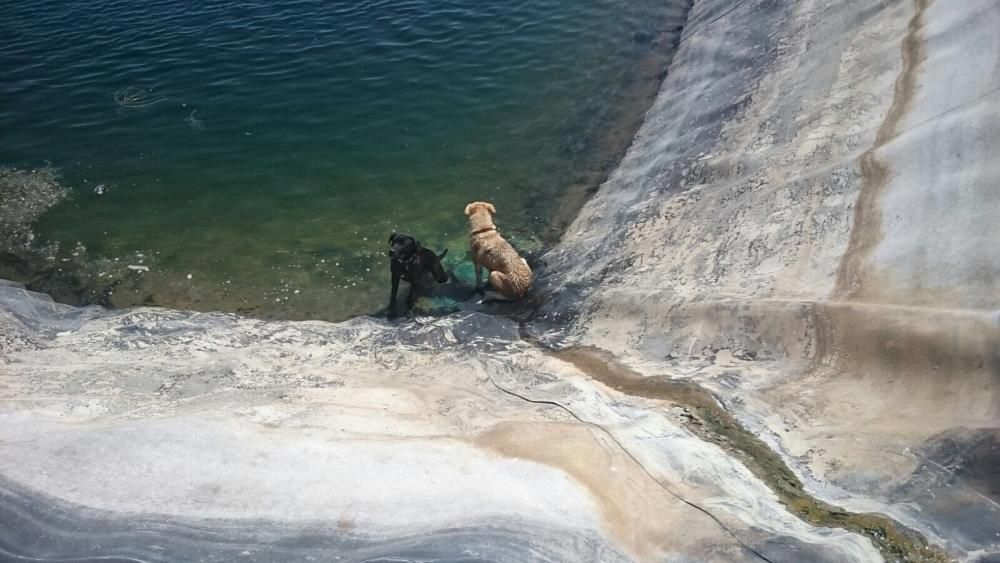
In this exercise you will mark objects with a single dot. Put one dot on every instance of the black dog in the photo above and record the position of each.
(411, 262)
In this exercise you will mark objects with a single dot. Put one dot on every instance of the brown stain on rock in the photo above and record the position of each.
(852, 275)
(345, 523)
(642, 516)
(932, 354)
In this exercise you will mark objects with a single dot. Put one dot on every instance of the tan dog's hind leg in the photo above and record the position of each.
(505, 284)
(501, 288)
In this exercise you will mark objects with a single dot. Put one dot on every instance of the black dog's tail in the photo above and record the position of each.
(439, 274)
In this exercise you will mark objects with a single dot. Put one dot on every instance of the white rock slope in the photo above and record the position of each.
(807, 224)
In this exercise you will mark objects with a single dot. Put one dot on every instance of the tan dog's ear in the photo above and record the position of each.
(468, 208)
(491, 209)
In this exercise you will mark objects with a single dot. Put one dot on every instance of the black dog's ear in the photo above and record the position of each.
(392, 237)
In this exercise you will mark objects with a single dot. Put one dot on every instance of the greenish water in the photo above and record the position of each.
(255, 156)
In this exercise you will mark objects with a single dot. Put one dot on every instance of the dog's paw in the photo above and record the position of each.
(491, 296)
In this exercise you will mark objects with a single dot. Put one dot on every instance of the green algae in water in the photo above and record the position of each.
(285, 144)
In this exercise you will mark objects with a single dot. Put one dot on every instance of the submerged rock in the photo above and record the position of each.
(24, 196)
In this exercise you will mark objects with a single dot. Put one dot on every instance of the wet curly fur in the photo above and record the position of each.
(509, 274)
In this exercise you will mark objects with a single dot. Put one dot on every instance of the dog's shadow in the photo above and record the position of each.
(436, 300)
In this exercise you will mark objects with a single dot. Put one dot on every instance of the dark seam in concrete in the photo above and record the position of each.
(866, 230)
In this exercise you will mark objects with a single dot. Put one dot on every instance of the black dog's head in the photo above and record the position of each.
(403, 247)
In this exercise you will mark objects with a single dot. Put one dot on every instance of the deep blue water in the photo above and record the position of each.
(256, 155)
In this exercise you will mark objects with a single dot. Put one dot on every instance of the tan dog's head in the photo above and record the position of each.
(480, 214)
(476, 206)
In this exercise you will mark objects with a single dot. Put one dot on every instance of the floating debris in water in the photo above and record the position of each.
(138, 268)
(133, 97)
(194, 122)
(101, 189)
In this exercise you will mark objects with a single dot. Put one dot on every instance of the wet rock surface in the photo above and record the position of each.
(449, 437)
(792, 261)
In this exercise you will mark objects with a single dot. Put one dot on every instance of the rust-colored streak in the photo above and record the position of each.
(866, 231)
(636, 510)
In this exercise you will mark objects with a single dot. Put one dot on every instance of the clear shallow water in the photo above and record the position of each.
(255, 156)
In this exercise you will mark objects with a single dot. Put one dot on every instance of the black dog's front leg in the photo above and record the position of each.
(410, 297)
(392, 295)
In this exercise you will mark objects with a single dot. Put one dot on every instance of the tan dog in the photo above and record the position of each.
(509, 273)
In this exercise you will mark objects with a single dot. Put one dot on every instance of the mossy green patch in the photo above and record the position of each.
(711, 422)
